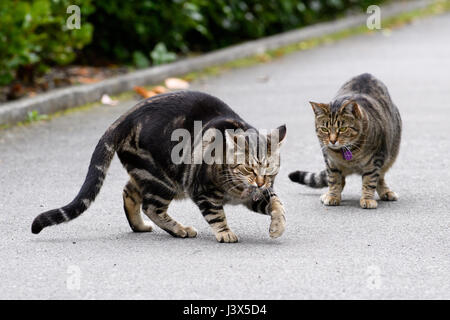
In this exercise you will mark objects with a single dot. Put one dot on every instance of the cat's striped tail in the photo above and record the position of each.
(313, 180)
(100, 161)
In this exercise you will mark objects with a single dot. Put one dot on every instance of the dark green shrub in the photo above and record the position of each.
(123, 28)
(33, 35)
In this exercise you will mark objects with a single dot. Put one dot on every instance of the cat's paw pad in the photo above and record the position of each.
(277, 227)
(368, 203)
(389, 196)
(227, 236)
(330, 200)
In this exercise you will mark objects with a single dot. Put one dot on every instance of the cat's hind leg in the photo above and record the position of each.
(132, 201)
(155, 207)
(385, 193)
(157, 191)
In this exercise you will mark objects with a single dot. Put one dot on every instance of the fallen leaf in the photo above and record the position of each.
(159, 89)
(176, 83)
(87, 80)
(144, 92)
(108, 101)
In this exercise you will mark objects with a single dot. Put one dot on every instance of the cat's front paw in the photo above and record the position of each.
(190, 232)
(184, 232)
(389, 196)
(368, 203)
(277, 226)
(227, 236)
(330, 200)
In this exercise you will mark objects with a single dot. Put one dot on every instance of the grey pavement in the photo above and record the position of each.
(400, 250)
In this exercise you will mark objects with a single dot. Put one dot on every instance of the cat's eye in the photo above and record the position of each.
(248, 170)
(343, 129)
(271, 171)
(323, 129)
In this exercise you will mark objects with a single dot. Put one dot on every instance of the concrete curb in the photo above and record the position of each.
(64, 98)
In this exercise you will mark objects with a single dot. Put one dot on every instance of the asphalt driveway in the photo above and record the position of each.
(400, 250)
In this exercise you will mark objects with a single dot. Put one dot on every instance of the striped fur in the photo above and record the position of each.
(98, 167)
(313, 180)
(142, 140)
(363, 120)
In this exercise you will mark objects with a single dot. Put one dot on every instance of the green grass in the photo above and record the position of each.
(400, 20)
(34, 115)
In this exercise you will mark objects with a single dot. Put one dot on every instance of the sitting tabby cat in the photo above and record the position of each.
(359, 132)
(142, 140)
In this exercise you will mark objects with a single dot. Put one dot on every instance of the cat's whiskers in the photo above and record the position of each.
(236, 187)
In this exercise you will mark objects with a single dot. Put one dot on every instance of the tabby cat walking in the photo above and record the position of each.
(143, 140)
(359, 132)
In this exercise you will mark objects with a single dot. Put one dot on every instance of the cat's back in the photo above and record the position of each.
(189, 105)
(370, 93)
(365, 84)
(153, 123)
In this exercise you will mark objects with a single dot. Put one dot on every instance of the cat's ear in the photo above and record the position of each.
(351, 107)
(281, 134)
(320, 108)
(276, 137)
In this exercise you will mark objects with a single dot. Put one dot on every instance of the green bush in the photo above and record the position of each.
(33, 35)
(123, 28)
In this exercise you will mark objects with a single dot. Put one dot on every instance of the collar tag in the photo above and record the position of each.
(347, 154)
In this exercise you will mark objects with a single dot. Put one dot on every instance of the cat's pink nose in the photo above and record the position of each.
(333, 138)
(259, 181)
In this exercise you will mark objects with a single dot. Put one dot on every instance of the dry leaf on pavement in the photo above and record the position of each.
(159, 89)
(176, 83)
(144, 92)
(108, 101)
(86, 80)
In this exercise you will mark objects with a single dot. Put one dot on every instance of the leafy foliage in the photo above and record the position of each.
(33, 35)
(160, 54)
(124, 27)
(33, 116)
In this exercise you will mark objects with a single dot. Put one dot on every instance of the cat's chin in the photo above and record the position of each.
(254, 194)
(257, 195)
(246, 193)
(334, 148)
